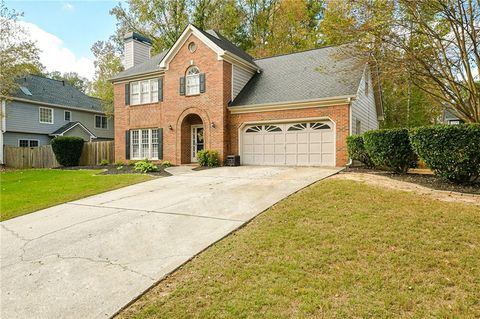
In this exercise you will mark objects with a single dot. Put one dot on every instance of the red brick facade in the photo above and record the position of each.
(176, 113)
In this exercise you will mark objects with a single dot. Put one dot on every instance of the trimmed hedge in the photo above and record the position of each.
(390, 149)
(450, 151)
(67, 149)
(357, 151)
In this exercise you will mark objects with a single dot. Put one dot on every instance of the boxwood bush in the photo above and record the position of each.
(450, 151)
(208, 158)
(357, 151)
(67, 149)
(390, 148)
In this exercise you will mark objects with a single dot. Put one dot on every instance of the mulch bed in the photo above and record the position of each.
(114, 170)
(426, 180)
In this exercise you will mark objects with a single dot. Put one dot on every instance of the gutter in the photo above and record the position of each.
(277, 106)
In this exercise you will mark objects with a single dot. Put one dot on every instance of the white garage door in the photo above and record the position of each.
(304, 143)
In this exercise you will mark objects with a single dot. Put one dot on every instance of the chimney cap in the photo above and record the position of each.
(138, 37)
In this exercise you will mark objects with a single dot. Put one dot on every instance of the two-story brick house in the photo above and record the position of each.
(206, 93)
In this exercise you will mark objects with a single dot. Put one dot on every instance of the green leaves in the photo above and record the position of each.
(390, 149)
(451, 151)
(67, 149)
(357, 151)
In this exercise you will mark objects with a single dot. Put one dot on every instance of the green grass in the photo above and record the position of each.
(25, 191)
(338, 249)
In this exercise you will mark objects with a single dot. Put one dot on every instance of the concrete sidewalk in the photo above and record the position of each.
(89, 258)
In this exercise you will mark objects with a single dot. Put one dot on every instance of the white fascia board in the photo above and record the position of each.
(190, 29)
(234, 59)
(76, 124)
(347, 99)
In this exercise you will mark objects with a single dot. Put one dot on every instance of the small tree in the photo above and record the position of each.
(67, 149)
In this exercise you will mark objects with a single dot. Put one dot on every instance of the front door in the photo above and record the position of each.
(197, 141)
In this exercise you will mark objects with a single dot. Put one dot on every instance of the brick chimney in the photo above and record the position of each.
(137, 49)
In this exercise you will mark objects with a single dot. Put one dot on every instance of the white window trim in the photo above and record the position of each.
(29, 140)
(40, 118)
(150, 145)
(197, 76)
(139, 83)
(65, 112)
(95, 122)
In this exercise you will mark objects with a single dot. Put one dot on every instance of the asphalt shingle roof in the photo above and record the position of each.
(68, 126)
(226, 45)
(142, 68)
(50, 91)
(314, 74)
(152, 64)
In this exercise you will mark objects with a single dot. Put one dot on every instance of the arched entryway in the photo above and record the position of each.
(192, 138)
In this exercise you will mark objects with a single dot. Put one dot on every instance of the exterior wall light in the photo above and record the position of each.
(170, 127)
(212, 125)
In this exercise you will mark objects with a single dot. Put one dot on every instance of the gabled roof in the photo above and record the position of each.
(226, 45)
(211, 38)
(67, 127)
(314, 74)
(49, 91)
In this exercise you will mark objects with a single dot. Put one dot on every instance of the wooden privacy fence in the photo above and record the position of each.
(43, 156)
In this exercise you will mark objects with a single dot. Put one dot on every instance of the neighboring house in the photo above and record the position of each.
(43, 108)
(449, 116)
(206, 93)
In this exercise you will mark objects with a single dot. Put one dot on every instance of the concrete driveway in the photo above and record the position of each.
(89, 258)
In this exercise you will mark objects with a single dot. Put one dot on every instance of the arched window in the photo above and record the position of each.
(193, 81)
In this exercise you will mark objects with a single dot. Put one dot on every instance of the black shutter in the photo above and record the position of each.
(160, 90)
(160, 143)
(202, 82)
(127, 94)
(182, 85)
(127, 145)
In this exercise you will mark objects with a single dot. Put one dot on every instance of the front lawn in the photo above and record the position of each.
(25, 191)
(339, 249)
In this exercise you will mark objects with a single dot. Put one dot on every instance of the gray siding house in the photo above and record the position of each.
(43, 108)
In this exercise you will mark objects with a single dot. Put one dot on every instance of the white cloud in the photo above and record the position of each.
(55, 56)
(67, 7)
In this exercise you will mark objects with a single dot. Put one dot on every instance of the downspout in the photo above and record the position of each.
(350, 128)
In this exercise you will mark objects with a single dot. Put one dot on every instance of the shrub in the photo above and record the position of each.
(356, 150)
(390, 149)
(119, 163)
(131, 162)
(166, 164)
(450, 151)
(67, 149)
(104, 162)
(145, 166)
(208, 158)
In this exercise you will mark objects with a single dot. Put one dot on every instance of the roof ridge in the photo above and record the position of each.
(298, 52)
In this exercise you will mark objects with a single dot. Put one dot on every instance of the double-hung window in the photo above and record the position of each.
(45, 115)
(135, 98)
(100, 121)
(67, 115)
(142, 92)
(144, 144)
(193, 81)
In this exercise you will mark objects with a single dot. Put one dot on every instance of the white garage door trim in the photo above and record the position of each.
(286, 121)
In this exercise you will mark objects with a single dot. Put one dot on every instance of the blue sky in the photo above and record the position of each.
(65, 30)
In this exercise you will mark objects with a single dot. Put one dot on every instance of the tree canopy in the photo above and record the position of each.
(18, 55)
(426, 51)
